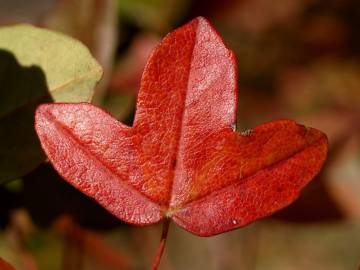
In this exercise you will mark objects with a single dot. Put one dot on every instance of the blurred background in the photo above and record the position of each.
(297, 59)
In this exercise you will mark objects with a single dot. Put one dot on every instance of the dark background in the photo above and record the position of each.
(297, 59)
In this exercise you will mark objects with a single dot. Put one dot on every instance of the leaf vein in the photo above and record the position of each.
(65, 130)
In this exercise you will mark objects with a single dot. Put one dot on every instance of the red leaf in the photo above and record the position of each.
(5, 266)
(182, 159)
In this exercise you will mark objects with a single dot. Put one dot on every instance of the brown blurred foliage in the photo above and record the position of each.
(297, 59)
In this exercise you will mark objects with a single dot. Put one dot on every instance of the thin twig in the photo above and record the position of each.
(92, 245)
(20, 231)
(73, 251)
(161, 246)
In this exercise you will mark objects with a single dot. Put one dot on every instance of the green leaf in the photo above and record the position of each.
(70, 70)
(36, 66)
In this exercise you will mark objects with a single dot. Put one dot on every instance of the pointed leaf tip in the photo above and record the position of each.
(182, 159)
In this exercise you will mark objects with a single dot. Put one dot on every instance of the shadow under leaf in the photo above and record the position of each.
(22, 89)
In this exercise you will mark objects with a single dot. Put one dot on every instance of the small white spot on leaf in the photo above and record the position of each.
(233, 126)
(246, 133)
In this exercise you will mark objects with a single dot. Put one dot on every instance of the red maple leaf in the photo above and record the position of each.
(182, 160)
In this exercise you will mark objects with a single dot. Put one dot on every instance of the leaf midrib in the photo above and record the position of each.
(180, 207)
(180, 141)
(78, 79)
(67, 131)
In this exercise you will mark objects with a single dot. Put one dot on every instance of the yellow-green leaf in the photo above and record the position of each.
(70, 70)
(36, 66)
